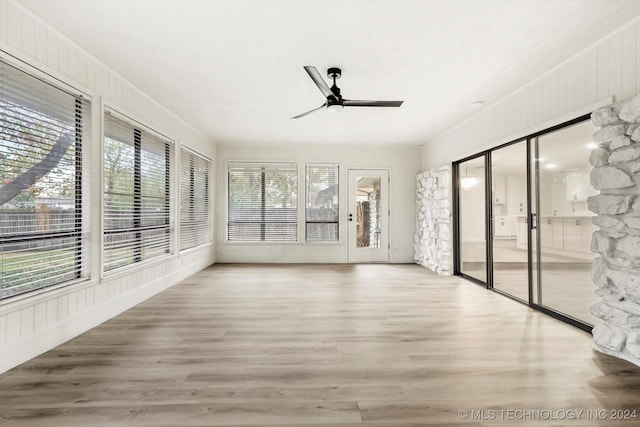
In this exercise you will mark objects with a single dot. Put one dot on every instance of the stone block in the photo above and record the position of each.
(619, 142)
(609, 337)
(600, 242)
(599, 157)
(604, 116)
(608, 204)
(630, 111)
(614, 316)
(626, 154)
(629, 283)
(606, 221)
(607, 178)
(633, 222)
(633, 344)
(632, 129)
(610, 293)
(607, 133)
(624, 263)
(629, 245)
(599, 270)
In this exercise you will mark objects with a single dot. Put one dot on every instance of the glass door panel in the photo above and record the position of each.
(509, 226)
(368, 215)
(563, 222)
(471, 217)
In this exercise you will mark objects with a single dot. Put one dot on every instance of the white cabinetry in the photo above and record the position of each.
(579, 187)
(570, 236)
(499, 189)
(505, 226)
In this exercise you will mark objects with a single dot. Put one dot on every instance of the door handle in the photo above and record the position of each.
(533, 222)
(350, 217)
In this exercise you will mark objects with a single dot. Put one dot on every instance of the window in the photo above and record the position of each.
(263, 202)
(194, 200)
(43, 138)
(322, 203)
(137, 214)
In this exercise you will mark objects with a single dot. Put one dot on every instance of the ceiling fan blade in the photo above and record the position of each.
(360, 103)
(310, 111)
(318, 80)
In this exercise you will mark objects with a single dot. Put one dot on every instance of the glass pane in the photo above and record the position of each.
(473, 255)
(564, 224)
(263, 203)
(322, 203)
(508, 198)
(368, 212)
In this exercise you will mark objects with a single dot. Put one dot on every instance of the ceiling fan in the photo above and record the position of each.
(335, 101)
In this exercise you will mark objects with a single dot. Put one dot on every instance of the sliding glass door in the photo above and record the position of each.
(563, 259)
(508, 220)
(522, 224)
(472, 219)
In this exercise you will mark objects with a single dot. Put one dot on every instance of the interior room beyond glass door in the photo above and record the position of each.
(472, 207)
(509, 225)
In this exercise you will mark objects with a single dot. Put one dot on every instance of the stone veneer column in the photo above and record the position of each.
(616, 271)
(432, 241)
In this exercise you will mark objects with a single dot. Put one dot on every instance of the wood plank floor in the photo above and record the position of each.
(323, 345)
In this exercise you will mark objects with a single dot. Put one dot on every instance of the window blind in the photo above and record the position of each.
(137, 214)
(322, 213)
(195, 226)
(263, 202)
(43, 139)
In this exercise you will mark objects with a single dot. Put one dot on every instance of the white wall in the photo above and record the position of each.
(586, 81)
(32, 324)
(402, 161)
(472, 218)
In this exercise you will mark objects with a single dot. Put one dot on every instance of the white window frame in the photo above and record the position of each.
(305, 166)
(210, 182)
(299, 202)
(118, 114)
(84, 196)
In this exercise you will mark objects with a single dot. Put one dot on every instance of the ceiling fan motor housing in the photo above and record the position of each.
(334, 72)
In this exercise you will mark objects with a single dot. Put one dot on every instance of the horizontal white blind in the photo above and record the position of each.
(195, 225)
(322, 202)
(137, 219)
(43, 132)
(263, 202)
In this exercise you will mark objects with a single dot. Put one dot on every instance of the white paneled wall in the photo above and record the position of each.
(32, 324)
(586, 81)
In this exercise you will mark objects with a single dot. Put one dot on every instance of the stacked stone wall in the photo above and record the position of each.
(432, 241)
(616, 271)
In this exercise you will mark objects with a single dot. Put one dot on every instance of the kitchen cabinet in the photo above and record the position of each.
(579, 187)
(573, 234)
(505, 226)
(570, 235)
(551, 233)
(499, 189)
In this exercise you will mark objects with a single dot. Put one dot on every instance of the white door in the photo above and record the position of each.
(368, 215)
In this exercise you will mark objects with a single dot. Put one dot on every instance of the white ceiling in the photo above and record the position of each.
(233, 68)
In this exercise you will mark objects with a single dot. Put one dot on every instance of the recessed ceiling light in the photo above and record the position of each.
(477, 103)
(551, 165)
(592, 145)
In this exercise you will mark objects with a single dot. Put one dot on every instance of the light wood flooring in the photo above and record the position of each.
(566, 281)
(323, 345)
